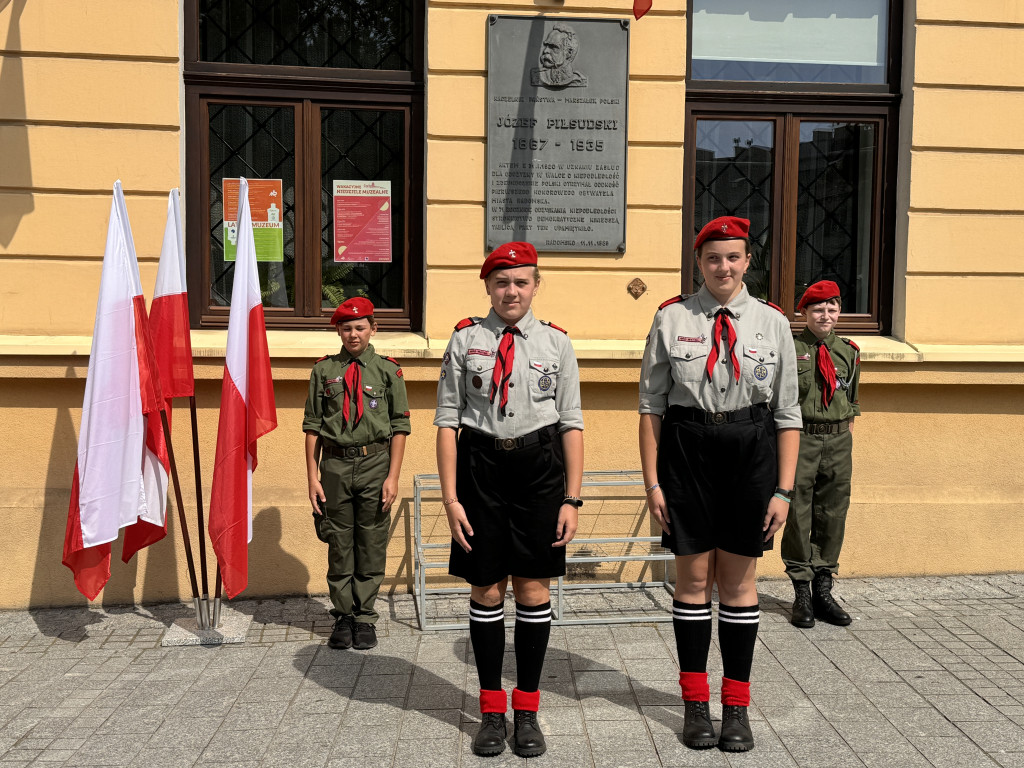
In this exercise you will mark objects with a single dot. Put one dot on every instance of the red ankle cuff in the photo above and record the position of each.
(695, 686)
(735, 693)
(493, 701)
(527, 701)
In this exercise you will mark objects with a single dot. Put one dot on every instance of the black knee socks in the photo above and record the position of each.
(692, 625)
(737, 634)
(533, 628)
(487, 633)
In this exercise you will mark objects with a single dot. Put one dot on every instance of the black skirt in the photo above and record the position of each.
(717, 480)
(512, 499)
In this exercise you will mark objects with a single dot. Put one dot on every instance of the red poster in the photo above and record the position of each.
(362, 221)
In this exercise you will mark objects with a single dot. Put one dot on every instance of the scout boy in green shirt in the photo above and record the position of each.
(828, 372)
(356, 421)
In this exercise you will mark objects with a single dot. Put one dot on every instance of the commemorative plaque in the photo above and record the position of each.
(556, 132)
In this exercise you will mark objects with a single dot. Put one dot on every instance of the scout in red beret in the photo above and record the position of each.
(352, 309)
(509, 255)
(724, 228)
(823, 290)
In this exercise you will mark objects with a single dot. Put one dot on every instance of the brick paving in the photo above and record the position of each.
(931, 673)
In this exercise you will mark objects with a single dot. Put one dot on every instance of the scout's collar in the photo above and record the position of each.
(709, 304)
(807, 336)
(496, 325)
(363, 358)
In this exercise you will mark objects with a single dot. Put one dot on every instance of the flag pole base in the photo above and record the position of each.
(216, 612)
(201, 621)
(204, 606)
(233, 628)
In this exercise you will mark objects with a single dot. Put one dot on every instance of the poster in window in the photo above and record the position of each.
(265, 203)
(362, 221)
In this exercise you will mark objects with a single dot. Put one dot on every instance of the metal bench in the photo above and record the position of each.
(603, 573)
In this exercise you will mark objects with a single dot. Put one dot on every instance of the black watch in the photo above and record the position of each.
(575, 501)
(785, 491)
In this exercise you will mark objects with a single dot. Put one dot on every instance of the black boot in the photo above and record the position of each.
(698, 732)
(341, 637)
(803, 613)
(825, 606)
(527, 739)
(490, 739)
(736, 735)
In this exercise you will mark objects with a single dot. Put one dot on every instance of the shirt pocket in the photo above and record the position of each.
(334, 395)
(758, 365)
(804, 376)
(479, 371)
(688, 361)
(543, 378)
(375, 397)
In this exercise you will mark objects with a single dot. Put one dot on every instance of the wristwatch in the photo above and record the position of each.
(576, 501)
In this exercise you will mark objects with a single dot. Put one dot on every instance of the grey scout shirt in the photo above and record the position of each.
(545, 384)
(673, 369)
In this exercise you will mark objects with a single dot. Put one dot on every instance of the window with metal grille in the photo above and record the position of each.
(314, 94)
(792, 123)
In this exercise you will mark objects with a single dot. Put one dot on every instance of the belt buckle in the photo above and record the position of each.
(718, 418)
(507, 444)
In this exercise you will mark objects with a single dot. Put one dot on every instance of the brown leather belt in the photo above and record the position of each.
(827, 427)
(353, 451)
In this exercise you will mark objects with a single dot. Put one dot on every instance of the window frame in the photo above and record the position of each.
(788, 104)
(308, 90)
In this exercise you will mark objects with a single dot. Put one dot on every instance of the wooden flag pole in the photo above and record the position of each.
(199, 511)
(181, 519)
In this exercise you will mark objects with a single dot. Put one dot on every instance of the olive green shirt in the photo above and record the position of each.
(385, 402)
(846, 358)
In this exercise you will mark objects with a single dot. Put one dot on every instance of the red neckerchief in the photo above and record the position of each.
(506, 355)
(353, 391)
(722, 323)
(827, 368)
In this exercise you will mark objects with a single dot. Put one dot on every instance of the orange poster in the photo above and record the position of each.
(267, 219)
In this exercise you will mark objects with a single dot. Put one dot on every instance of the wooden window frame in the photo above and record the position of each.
(788, 104)
(307, 90)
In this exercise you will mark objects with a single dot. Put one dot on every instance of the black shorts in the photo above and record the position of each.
(512, 499)
(717, 480)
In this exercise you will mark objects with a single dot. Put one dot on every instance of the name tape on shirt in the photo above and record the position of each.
(484, 352)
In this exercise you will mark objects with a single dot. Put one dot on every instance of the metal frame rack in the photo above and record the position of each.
(582, 550)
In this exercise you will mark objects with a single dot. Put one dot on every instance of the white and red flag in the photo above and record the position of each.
(172, 348)
(247, 411)
(121, 473)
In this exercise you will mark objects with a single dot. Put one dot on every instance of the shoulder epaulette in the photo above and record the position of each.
(322, 359)
(776, 307)
(466, 322)
(552, 325)
(673, 300)
(851, 343)
(397, 364)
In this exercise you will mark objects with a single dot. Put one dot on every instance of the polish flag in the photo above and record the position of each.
(247, 411)
(120, 477)
(172, 348)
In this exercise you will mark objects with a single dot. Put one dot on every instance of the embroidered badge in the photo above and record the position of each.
(803, 357)
(373, 403)
(443, 373)
(335, 381)
(478, 382)
(447, 358)
(544, 382)
(760, 372)
(693, 339)
(368, 388)
(329, 392)
(484, 352)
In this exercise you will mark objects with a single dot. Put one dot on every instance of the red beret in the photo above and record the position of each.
(353, 309)
(509, 255)
(723, 228)
(823, 290)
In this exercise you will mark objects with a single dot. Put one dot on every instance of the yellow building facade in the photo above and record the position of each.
(94, 91)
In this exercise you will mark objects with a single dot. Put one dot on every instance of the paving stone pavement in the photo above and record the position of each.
(931, 673)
